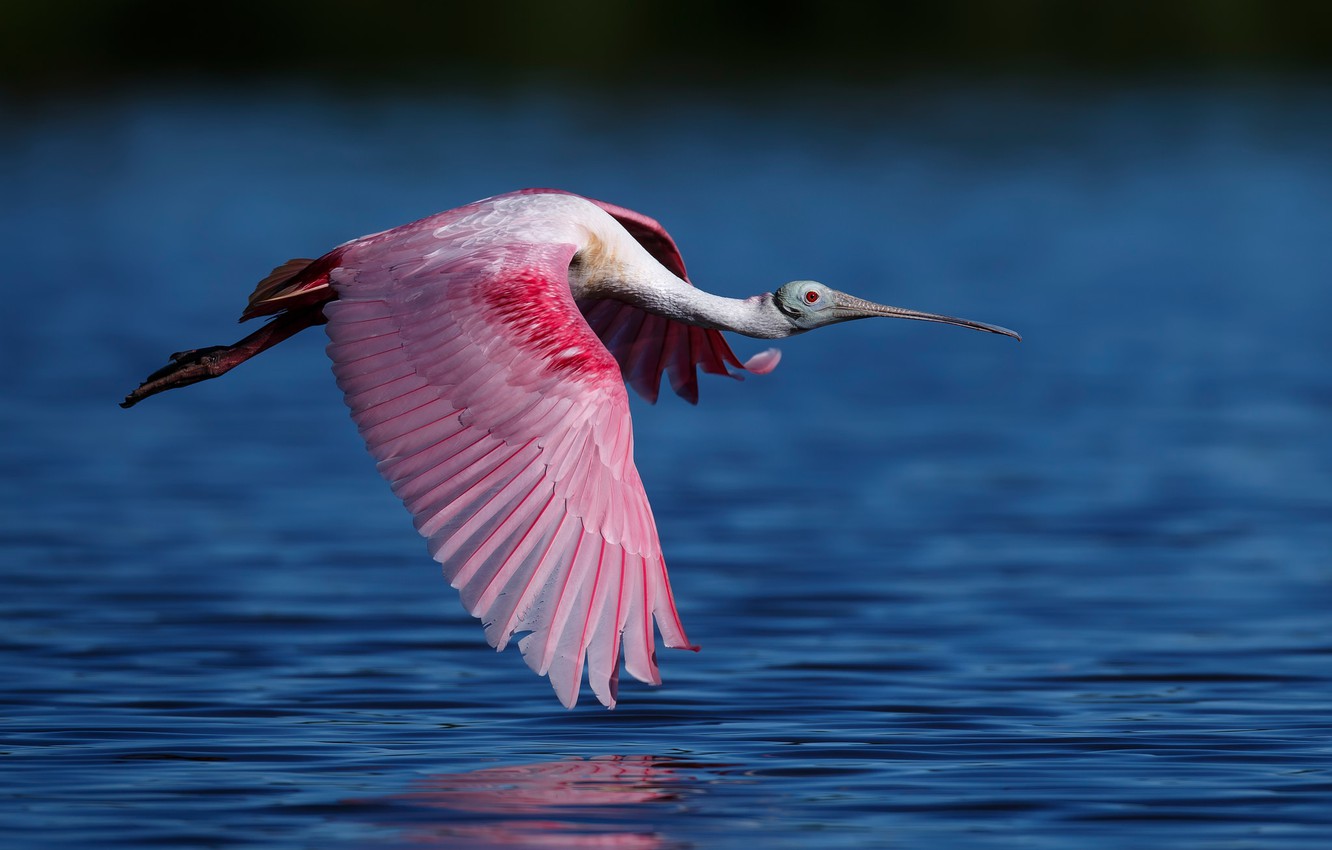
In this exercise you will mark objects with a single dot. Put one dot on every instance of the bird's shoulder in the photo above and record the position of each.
(494, 275)
(495, 226)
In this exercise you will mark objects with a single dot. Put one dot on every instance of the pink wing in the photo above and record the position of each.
(501, 422)
(646, 345)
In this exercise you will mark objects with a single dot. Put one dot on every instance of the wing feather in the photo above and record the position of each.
(534, 523)
(357, 379)
(534, 578)
(476, 523)
(637, 652)
(440, 506)
(390, 390)
(564, 649)
(501, 421)
(602, 626)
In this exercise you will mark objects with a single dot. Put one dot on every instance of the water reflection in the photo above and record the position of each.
(572, 802)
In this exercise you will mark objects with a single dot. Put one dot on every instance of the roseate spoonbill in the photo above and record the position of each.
(483, 353)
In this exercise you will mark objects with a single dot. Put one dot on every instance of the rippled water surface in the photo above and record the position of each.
(952, 591)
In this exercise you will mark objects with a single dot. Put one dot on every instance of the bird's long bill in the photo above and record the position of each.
(850, 307)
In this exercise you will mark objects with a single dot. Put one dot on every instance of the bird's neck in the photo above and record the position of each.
(675, 299)
(645, 283)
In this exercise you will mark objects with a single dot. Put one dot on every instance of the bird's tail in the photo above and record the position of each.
(200, 364)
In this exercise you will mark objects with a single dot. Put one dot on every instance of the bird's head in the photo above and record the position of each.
(807, 304)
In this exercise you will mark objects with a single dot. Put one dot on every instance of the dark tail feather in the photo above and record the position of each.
(200, 364)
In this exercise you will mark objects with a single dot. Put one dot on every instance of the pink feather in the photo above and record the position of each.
(502, 422)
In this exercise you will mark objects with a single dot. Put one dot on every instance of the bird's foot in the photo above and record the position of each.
(186, 367)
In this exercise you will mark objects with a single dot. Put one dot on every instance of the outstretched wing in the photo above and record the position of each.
(501, 421)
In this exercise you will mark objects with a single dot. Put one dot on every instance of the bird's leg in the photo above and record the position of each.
(200, 364)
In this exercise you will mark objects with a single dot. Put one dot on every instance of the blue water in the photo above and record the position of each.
(952, 591)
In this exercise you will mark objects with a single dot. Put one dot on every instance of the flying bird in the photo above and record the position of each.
(484, 353)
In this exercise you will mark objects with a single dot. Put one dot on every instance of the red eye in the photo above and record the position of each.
(811, 296)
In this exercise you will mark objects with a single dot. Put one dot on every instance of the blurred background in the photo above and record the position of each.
(454, 45)
(953, 590)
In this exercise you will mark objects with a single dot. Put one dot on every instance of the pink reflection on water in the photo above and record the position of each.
(573, 802)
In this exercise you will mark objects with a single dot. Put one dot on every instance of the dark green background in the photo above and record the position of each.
(82, 43)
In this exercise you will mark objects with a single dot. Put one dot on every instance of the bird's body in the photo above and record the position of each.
(484, 352)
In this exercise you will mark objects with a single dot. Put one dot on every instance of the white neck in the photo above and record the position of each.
(632, 275)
